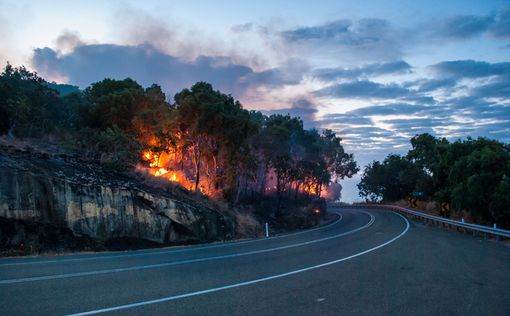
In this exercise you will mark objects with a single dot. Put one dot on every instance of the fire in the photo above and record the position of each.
(164, 166)
(160, 172)
(173, 166)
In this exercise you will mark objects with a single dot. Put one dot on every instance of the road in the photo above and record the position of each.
(367, 262)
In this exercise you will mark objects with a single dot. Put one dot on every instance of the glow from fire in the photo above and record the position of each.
(170, 165)
(157, 169)
(161, 172)
(165, 166)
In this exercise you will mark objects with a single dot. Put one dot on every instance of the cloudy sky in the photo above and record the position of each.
(376, 72)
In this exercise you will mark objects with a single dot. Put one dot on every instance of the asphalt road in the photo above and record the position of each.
(369, 262)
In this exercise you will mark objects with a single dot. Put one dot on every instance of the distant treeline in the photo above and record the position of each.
(205, 135)
(473, 175)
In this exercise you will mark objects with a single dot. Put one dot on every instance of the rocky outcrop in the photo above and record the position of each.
(81, 202)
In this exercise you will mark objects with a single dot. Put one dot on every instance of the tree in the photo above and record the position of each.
(471, 174)
(277, 134)
(478, 180)
(392, 180)
(113, 103)
(206, 136)
(214, 127)
(28, 106)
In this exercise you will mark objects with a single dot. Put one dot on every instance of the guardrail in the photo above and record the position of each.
(474, 228)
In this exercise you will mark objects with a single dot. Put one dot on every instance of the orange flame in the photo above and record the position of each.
(160, 172)
(159, 167)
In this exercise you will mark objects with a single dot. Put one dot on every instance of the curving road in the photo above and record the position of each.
(366, 262)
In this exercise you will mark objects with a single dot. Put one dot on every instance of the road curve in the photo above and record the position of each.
(366, 262)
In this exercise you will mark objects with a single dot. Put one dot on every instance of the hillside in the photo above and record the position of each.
(56, 202)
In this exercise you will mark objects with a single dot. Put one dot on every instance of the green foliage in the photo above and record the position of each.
(393, 179)
(63, 89)
(118, 149)
(206, 132)
(113, 103)
(478, 178)
(27, 104)
(471, 174)
(215, 128)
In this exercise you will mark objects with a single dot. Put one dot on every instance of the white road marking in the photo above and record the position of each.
(135, 253)
(226, 287)
(168, 264)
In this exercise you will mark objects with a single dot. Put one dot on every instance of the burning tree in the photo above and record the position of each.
(208, 132)
(210, 144)
(205, 141)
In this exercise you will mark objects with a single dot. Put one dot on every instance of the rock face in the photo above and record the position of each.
(77, 201)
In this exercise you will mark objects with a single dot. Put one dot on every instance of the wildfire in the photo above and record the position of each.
(161, 166)
(170, 166)
(160, 172)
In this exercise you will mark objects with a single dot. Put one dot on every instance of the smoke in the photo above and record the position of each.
(301, 107)
(152, 49)
(333, 192)
(67, 41)
(168, 35)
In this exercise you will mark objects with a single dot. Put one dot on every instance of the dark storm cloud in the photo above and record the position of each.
(470, 69)
(377, 69)
(364, 89)
(86, 64)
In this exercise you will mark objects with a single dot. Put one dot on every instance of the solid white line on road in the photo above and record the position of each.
(226, 287)
(168, 264)
(144, 253)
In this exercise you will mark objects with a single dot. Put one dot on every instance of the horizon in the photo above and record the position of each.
(375, 74)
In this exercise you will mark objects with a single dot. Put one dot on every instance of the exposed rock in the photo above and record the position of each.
(41, 193)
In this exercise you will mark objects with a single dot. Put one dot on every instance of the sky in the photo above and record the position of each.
(375, 72)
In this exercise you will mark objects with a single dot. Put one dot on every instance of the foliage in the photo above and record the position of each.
(393, 179)
(27, 104)
(205, 136)
(471, 174)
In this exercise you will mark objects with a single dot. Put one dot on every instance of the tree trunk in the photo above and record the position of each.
(297, 189)
(278, 193)
(197, 156)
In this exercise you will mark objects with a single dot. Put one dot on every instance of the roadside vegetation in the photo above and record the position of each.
(472, 175)
(203, 140)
